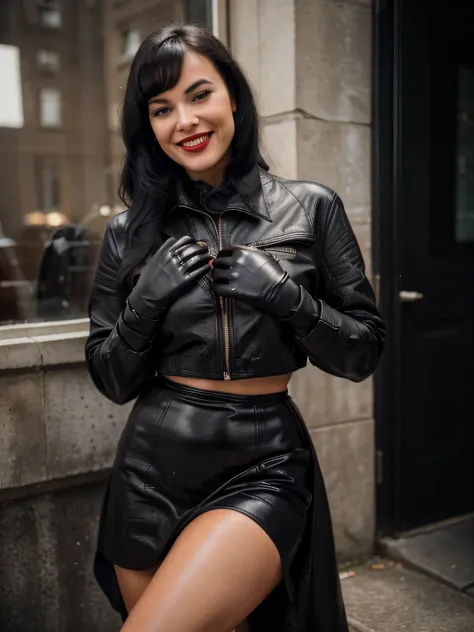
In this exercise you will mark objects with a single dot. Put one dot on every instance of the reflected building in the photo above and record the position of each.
(53, 168)
(60, 146)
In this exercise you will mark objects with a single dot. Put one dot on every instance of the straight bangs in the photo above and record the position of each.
(159, 69)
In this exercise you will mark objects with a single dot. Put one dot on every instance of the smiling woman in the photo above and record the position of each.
(216, 498)
(193, 120)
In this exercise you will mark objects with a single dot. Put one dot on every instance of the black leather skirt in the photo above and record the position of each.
(186, 451)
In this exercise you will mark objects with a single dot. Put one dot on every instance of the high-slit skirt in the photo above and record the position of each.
(186, 451)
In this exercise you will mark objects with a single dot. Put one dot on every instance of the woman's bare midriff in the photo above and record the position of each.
(251, 386)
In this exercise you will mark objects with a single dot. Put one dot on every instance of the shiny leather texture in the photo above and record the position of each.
(185, 451)
(304, 226)
(254, 277)
(175, 267)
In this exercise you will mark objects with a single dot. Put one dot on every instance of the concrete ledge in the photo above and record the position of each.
(42, 350)
(29, 330)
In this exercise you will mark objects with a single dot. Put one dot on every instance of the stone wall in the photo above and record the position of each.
(309, 62)
(57, 440)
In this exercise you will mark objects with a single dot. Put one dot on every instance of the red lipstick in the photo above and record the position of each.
(196, 147)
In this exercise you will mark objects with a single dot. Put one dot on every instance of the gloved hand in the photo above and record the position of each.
(176, 265)
(254, 277)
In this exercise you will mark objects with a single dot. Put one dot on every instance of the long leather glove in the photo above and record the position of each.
(175, 266)
(340, 330)
(120, 354)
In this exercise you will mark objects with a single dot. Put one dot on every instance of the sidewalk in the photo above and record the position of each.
(384, 596)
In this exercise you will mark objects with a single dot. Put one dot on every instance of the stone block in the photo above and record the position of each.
(82, 427)
(19, 353)
(263, 42)
(63, 348)
(277, 56)
(346, 455)
(348, 401)
(309, 389)
(337, 155)
(334, 60)
(279, 146)
(245, 39)
(22, 436)
(47, 545)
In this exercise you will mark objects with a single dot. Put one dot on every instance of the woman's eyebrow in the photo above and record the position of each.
(189, 89)
(196, 84)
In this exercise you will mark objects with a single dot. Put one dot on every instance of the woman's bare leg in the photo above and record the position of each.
(218, 571)
(133, 584)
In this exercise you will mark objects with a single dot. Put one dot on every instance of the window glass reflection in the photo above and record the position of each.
(465, 157)
(63, 69)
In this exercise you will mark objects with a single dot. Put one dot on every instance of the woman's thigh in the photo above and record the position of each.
(221, 567)
(133, 584)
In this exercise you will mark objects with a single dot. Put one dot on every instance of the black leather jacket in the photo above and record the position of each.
(304, 226)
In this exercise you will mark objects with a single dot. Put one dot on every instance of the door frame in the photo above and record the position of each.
(386, 257)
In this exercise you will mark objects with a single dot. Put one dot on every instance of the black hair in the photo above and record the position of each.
(147, 170)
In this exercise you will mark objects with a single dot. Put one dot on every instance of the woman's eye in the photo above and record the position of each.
(202, 95)
(161, 112)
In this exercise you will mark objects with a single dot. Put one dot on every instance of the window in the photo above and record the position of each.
(51, 190)
(48, 61)
(130, 43)
(50, 107)
(49, 13)
(60, 173)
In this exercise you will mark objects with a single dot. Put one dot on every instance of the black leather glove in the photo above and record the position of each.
(176, 265)
(254, 277)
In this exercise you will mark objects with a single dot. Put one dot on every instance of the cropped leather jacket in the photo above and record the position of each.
(303, 225)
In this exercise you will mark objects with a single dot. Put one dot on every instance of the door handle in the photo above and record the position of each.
(410, 297)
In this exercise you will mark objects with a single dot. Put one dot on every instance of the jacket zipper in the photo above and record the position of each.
(280, 249)
(223, 303)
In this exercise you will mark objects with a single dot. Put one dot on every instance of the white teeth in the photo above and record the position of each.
(196, 141)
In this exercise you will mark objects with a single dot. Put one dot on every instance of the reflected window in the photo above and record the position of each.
(50, 188)
(130, 43)
(48, 61)
(465, 157)
(50, 107)
(49, 13)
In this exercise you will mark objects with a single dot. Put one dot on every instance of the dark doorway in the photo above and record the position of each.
(424, 232)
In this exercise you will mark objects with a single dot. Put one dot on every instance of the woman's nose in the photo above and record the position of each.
(186, 119)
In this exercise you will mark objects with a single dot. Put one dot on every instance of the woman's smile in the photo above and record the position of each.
(196, 142)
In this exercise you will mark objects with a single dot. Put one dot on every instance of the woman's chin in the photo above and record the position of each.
(202, 165)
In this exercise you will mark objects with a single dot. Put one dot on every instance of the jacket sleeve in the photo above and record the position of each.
(118, 357)
(340, 329)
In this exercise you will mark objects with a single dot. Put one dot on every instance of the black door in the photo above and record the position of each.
(431, 430)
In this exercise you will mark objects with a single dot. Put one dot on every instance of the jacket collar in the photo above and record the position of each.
(248, 197)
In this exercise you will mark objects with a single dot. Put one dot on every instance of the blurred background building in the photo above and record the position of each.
(371, 98)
